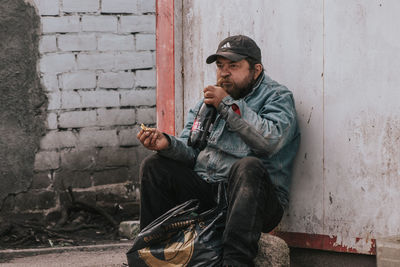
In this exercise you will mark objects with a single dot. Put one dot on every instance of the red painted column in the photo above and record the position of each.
(165, 62)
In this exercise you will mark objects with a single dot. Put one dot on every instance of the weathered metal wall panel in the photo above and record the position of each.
(340, 59)
(362, 119)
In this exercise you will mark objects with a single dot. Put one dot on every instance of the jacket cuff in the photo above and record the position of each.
(224, 106)
(228, 105)
(169, 150)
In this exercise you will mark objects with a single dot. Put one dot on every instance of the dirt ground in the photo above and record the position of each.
(86, 237)
(28, 234)
(106, 256)
(81, 225)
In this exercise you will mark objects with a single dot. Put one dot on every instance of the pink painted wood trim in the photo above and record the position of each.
(165, 63)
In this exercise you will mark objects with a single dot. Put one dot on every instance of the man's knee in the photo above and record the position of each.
(150, 164)
(155, 167)
(249, 170)
(150, 161)
(248, 164)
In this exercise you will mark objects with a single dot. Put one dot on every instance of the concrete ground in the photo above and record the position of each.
(96, 255)
(113, 255)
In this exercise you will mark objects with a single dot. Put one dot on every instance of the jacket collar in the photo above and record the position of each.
(259, 80)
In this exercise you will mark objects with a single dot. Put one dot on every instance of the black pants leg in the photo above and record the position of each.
(165, 183)
(253, 207)
(252, 203)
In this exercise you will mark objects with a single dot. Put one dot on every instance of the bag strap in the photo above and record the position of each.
(180, 210)
(222, 197)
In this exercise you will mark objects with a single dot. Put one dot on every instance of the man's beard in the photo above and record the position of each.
(240, 90)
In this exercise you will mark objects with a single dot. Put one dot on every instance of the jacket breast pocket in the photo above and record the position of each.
(231, 143)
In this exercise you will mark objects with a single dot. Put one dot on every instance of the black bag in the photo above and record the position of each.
(182, 237)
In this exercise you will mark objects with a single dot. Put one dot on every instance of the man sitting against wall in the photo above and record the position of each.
(252, 146)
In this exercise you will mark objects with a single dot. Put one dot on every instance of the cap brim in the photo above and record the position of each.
(229, 55)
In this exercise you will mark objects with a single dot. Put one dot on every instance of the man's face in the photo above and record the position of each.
(237, 78)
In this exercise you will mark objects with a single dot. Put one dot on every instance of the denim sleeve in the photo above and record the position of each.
(178, 148)
(267, 131)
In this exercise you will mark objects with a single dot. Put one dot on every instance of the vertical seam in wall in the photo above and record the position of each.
(182, 67)
(174, 65)
(178, 70)
(323, 116)
(182, 70)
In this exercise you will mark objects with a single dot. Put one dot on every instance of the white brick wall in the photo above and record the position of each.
(96, 61)
(80, 42)
(145, 41)
(119, 6)
(47, 7)
(127, 137)
(50, 82)
(98, 68)
(147, 6)
(142, 23)
(54, 101)
(60, 24)
(48, 44)
(56, 139)
(77, 119)
(110, 117)
(70, 100)
(138, 98)
(99, 23)
(57, 63)
(116, 80)
(80, 5)
(133, 60)
(78, 80)
(115, 42)
(146, 78)
(146, 115)
(52, 121)
(98, 138)
(100, 99)
(47, 160)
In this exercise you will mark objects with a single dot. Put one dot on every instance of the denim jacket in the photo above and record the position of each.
(266, 128)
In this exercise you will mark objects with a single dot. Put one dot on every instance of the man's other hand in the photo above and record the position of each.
(213, 95)
(153, 139)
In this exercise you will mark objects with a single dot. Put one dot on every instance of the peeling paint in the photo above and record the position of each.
(329, 242)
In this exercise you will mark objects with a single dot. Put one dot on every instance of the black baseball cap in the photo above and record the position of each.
(236, 48)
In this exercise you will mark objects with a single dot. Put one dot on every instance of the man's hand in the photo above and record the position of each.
(213, 95)
(153, 139)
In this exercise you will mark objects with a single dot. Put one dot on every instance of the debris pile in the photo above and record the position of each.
(80, 224)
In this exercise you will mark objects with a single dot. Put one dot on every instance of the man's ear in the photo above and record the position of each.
(258, 69)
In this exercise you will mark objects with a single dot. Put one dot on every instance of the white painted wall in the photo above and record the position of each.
(341, 60)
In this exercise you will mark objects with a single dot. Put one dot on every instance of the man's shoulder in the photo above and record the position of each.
(270, 89)
(273, 85)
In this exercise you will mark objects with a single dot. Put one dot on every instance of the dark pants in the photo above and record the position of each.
(252, 203)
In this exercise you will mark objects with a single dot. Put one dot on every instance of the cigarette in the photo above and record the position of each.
(144, 127)
(220, 80)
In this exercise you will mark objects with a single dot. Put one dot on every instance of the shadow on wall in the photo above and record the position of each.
(23, 102)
